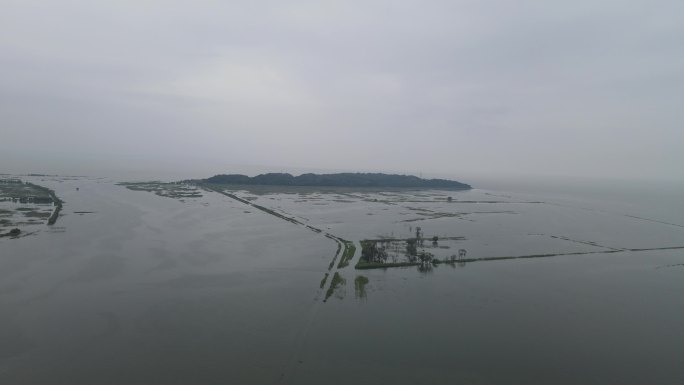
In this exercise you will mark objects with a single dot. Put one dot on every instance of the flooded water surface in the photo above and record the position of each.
(229, 286)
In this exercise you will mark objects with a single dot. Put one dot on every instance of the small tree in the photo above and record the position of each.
(425, 258)
(411, 249)
(411, 246)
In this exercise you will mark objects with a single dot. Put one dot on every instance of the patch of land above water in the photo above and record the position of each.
(177, 190)
(340, 180)
(17, 191)
(25, 204)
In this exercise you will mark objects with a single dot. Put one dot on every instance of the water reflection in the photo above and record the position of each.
(426, 267)
(360, 287)
(336, 287)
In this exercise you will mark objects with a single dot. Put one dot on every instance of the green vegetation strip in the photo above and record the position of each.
(339, 247)
(348, 254)
(363, 264)
(325, 278)
(58, 208)
(336, 282)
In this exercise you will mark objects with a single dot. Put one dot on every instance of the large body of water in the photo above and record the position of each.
(133, 288)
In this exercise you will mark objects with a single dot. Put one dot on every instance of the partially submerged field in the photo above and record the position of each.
(424, 229)
(24, 205)
(165, 189)
(412, 227)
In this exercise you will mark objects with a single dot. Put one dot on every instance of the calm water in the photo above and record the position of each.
(152, 290)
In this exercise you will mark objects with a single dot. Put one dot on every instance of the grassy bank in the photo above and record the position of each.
(325, 278)
(361, 265)
(58, 207)
(348, 254)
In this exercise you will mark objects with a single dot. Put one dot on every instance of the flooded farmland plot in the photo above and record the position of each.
(484, 225)
(23, 206)
(171, 190)
(171, 283)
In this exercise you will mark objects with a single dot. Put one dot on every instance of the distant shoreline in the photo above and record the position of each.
(356, 180)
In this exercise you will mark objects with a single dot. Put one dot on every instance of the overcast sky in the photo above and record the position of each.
(577, 88)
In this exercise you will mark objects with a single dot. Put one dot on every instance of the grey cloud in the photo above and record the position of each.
(453, 87)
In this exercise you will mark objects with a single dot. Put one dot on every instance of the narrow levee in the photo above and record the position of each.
(345, 249)
(330, 283)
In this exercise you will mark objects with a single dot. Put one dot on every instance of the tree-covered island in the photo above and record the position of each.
(339, 180)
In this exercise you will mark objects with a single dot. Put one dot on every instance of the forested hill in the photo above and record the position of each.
(341, 180)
